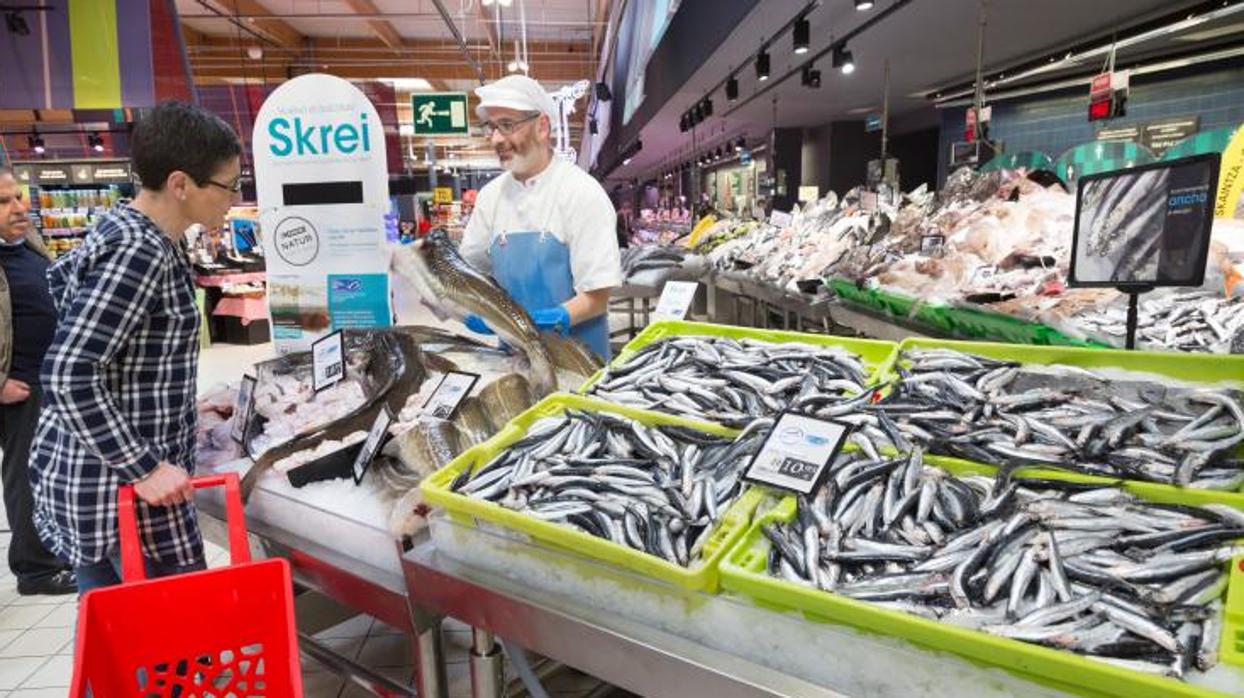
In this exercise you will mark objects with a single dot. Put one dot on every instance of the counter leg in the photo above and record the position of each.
(486, 665)
(429, 657)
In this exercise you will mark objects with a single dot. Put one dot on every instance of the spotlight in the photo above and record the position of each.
(36, 144)
(684, 123)
(697, 114)
(802, 33)
(254, 52)
(706, 107)
(738, 145)
(862, 5)
(732, 89)
(843, 60)
(96, 142)
(810, 77)
(762, 65)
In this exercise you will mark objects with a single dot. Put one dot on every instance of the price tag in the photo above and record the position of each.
(780, 218)
(244, 408)
(984, 273)
(868, 200)
(675, 300)
(367, 454)
(798, 452)
(449, 393)
(328, 361)
(932, 244)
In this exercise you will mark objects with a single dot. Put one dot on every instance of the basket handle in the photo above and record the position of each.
(132, 569)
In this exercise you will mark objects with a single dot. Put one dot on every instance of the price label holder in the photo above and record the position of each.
(244, 409)
(328, 361)
(675, 300)
(367, 454)
(932, 244)
(780, 218)
(984, 273)
(796, 455)
(454, 387)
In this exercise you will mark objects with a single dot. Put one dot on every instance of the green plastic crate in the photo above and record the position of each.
(896, 304)
(877, 354)
(743, 572)
(470, 512)
(849, 291)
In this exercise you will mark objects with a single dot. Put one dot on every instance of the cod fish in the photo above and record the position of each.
(472, 421)
(426, 447)
(656, 489)
(449, 286)
(1079, 567)
(506, 398)
(569, 354)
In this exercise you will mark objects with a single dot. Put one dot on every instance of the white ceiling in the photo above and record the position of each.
(929, 43)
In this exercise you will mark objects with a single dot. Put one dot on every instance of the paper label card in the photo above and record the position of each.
(675, 300)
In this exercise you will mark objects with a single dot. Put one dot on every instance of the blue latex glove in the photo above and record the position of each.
(555, 318)
(476, 323)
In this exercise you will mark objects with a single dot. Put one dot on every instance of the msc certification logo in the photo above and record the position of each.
(347, 284)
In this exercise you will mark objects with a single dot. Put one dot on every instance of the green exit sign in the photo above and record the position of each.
(440, 113)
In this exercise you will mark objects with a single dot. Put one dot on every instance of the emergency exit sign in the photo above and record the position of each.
(440, 113)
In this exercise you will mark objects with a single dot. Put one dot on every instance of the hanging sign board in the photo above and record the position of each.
(443, 195)
(872, 123)
(1160, 135)
(1108, 95)
(440, 113)
(322, 181)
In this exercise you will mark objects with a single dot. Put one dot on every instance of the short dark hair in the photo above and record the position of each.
(179, 136)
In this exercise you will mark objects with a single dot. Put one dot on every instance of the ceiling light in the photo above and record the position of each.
(802, 34)
(626, 162)
(254, 52)
(96, 143)
(762, 65)
(739, 145)
(697, 114)
(411, 84)
(862, 5)
(810, 77)
(732, 89)
(706, 107)
(512, 66)
(36, 144)
(843, 60)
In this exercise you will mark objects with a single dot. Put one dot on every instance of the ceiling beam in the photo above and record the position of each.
(381, 27)
(490, 30)
(215, 73)
(277, 30)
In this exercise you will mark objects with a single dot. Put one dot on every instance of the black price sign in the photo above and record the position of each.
(449, 393)
(244, 409)
(371, 446)
(328, 361)
(932, 244)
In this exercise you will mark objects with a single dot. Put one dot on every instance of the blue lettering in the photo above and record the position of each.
(1189, 199)
(281, 146)
(344, 138)
(347, 138)
(305, 146)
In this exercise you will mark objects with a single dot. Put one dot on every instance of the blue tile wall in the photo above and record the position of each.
(1056, 122)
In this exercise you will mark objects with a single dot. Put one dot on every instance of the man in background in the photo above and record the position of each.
(27, 322)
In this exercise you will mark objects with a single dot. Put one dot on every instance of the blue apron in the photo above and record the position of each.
(534, 268)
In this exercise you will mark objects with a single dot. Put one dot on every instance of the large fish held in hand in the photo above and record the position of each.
(449, 286)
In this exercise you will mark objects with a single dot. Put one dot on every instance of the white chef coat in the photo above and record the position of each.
(563, 201)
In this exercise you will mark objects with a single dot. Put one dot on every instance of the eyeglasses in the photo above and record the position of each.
(506, 126)
(236, 187)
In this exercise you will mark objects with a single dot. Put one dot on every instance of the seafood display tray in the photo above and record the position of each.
(334, 465)
(876, 354)
(1192, 368)
(480, 513)
(743, 572)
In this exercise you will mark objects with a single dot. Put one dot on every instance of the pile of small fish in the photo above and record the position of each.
(1002, 412)
(656, 489)
(1194, 321)
(731, 381)
(636, 259)
(1077, 567)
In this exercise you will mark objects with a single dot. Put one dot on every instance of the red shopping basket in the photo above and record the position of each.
(211, 634)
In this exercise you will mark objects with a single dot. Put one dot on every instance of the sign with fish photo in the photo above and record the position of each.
(1145, 226)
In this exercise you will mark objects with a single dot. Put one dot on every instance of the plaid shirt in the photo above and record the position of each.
(119, 386)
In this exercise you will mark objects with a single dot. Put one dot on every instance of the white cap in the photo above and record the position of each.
(515, 92)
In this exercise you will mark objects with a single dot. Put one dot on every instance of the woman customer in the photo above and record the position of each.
(120, 376)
